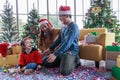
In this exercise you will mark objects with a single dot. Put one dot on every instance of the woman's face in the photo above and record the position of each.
(44, 27)
(28, 44)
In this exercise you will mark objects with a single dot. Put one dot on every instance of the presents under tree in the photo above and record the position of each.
(112, 54)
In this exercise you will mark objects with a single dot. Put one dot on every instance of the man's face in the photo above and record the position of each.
(63, 19)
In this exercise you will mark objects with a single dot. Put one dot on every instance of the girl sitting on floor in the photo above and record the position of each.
(30, 58)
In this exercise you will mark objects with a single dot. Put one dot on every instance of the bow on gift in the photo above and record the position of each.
(115, 44)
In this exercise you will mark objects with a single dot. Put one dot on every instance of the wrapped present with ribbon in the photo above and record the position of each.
(111, 55)
(94, 33)
(116, 72)
(115, 47)
(90, 38)
(16, 49)
(118, 61)
(110, 64)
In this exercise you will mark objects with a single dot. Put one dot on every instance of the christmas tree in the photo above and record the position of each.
(100, 15)
(9, 28)
(31, 28)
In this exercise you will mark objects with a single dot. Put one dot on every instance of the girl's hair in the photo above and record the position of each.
(42, 36)
(23, 41)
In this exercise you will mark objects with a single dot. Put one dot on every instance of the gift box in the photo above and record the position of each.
(118, 61)
(90, 39)
(110, 64)
(112, 55)
(94, 33)
(16, 49)
(113, 48)
(116, 72)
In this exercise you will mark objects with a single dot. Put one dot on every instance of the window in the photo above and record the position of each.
(49, 9)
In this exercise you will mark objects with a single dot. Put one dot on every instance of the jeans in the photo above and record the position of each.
(31, 66)
(54, 64)
(65, 62)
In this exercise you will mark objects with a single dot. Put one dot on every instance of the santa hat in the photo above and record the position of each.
(64, 10)
(3, 48)
(45, 21)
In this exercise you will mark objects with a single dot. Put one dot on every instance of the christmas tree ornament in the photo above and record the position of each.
(31, 28)
(96, 9)
(101, 15)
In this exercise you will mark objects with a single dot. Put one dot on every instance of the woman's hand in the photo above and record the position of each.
(46, 52)
(51, 58)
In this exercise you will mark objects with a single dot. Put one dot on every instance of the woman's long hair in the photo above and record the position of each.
(43, 35)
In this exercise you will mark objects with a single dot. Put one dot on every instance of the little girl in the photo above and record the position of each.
(30, 58)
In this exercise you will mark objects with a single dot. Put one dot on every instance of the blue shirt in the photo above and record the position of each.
(67, 40)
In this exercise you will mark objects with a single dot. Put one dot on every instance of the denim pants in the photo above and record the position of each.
(31, 66)
(54, 64)
(65, 62)
(68, 63)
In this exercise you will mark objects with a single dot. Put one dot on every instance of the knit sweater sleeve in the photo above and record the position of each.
(71, 39)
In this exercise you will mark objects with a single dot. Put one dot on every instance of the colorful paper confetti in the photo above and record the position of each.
(80, 73)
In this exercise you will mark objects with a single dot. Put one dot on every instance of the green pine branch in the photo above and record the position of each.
(9, 28)
(100, 15)
(31, 28)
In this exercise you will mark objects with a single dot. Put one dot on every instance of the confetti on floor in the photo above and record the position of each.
(80, 73)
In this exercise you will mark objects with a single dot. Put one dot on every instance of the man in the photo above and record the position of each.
(66, 55)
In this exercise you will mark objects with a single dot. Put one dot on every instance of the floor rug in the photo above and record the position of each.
(80, 73)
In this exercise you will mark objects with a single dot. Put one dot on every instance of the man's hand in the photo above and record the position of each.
(51, 58)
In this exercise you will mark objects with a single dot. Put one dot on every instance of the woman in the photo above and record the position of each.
(47, 34)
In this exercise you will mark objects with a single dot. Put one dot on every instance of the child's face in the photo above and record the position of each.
(28, 43)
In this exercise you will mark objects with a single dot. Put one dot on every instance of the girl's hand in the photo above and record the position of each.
(20, 69)
(38, 67)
